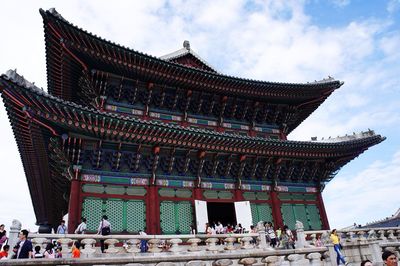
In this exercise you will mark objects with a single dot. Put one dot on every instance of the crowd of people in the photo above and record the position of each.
(25, 250)
(279, 238)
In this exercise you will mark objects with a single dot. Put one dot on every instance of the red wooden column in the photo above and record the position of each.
(239, 195)
(322, 212)
(197, 193)
(74, 202)
(152, 211)
(276, 209)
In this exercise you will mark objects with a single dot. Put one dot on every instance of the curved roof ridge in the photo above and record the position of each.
(346, 137)
(187, 50)
(315, 83)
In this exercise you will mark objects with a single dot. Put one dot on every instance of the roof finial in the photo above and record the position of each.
(186, 44)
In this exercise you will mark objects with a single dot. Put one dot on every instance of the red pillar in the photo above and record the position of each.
(322, 212)
(276, 209)
(73, 208)
(239, 195)
(197, 194)
(152, 211)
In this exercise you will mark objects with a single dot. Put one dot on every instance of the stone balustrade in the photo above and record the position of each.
(357, 234)
(219, 250)
(361, 243)
(246, 257)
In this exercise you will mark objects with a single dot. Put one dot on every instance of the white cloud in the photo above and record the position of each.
(370, 195)
(393, 6)
(341, 3)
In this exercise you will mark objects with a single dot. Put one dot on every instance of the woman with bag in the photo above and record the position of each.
(337, 246)
(104, 230)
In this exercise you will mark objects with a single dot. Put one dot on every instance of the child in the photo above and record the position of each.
(76, 253)
(4, 253)
(49, 253)
(58, 254)
(38, 255)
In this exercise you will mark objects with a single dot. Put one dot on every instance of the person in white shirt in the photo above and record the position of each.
(81, 229)
(62, 228)
(104, 230)
(219, 228)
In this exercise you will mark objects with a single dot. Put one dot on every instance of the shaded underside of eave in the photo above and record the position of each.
(30, 137)
(150, 62)
(154, 128)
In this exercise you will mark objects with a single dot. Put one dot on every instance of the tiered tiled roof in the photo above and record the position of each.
(71, 50)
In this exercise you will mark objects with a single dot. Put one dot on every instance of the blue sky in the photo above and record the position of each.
(287, 41)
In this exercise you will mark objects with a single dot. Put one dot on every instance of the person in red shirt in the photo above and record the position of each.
(76, 253)
(4, 253)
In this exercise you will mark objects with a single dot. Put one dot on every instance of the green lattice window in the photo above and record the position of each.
(261, 212)
(297, 196)
(307, 214)
(92, 210)
(124, 215)
(214, 194)
(176, 217)
(256, 195)
(175, 192)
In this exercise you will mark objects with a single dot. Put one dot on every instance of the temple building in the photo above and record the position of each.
(161, 143)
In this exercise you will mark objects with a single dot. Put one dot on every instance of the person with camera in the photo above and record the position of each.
(24, 248)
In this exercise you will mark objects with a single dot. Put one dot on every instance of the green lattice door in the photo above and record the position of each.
(314, 217)
(261, 212)
(307, 214)
(92, 210)
(135, 215)
(176, 217)
(123, 215)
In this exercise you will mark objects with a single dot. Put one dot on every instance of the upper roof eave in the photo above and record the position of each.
(322, 84)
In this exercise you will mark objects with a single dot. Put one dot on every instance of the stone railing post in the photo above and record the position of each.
(153, 245)
(64, 245)
(247, 261)
(88, 246)
(315, 259)
(301, 237)
(133, 246)
(391, 236)
(40, 241)
(229, 243)
(111, 245)
(371, 234)
(332, 254)
(271, 261)
(261, 231)
(196, 263)
(211, 244)
(376, 252)
(175, 245)
(246, 242)
(15, 228)
(194, 244)
(381, 235)
(293, 259)
(313, 239)
(222, 262)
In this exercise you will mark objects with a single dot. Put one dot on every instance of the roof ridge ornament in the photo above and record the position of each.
(186, 44)
(20, 80)
(54, 12)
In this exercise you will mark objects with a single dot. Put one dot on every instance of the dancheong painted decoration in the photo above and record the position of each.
(160, 144)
